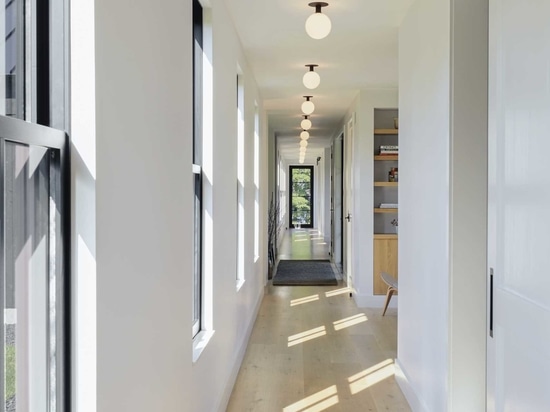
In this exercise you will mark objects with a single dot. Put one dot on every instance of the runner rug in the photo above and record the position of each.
(304, 273)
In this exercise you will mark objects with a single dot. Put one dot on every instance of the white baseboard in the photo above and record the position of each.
(403, 381)
(370, 301)
(224, 401)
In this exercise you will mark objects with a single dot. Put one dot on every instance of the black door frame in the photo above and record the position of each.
(311, 198)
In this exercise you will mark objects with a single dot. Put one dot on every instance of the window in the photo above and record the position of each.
(197, 163)
(256, 183)
(301, 196)
(240, 180)
(35, 296)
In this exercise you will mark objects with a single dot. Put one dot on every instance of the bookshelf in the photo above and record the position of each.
(385, 237)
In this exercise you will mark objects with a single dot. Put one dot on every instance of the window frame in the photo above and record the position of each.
(198, 207)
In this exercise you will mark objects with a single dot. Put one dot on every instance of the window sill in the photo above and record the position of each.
(199, 343)
(240, 284)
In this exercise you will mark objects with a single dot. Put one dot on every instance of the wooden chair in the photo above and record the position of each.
(392, 288)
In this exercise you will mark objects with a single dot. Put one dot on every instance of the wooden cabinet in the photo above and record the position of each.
(385, 208)
(385, 260)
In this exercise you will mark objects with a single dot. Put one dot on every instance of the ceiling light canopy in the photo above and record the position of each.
(308, 107)
(304, 135)
(318, 25)
(311, 79)
(306, 123)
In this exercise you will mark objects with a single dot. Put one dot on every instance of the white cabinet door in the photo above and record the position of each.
(519, 205)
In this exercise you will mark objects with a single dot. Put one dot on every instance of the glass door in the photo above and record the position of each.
(34, 270)
(301, 196)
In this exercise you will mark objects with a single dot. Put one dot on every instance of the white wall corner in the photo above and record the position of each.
(224, 400)
(410, 394)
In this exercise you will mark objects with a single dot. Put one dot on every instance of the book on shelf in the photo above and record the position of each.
(388, 206)
(388, 150)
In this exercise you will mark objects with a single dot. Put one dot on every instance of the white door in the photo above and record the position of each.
(519, 204)
(337, 190)
(348, 201)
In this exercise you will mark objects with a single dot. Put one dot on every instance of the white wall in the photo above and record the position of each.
(363, 201)
(83, 233)
(145, 211)
(443, 203)
(424, 76)
(468, 209)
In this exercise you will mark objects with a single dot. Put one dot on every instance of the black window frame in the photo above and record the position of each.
(311, 198)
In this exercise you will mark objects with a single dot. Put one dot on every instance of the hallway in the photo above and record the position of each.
(312, 349)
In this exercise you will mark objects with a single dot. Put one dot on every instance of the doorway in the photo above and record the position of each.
(347, 167)
(301, 183)
(34, 275)
(337, 195)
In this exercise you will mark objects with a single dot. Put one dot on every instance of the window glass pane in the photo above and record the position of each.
(197, 162)
(11, 58)
(197, 258)
(302, 196)
(29, 301)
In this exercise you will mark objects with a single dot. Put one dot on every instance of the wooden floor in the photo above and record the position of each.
(303, 244)
(312, 349)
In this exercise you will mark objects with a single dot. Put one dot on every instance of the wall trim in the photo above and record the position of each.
(224, 400)
(404, 383)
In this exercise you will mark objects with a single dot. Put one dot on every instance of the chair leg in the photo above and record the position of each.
(389, 294)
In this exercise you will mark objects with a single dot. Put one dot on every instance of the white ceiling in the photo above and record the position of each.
(359, 53)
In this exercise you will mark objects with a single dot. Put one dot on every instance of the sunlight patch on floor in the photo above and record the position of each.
(301, 301)
(352, 320)
(319, 401)
(307, 335)
(337, 292)
(371, 376)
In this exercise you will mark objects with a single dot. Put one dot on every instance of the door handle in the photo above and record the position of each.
(348, 217)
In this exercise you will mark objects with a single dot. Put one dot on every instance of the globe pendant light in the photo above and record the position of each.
(311, 79)
(308, 107)
(303, 143)
(318, 25)
(302, 150)
(306, 123)
(304, 135)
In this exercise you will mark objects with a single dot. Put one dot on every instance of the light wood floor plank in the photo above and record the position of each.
(312, 349)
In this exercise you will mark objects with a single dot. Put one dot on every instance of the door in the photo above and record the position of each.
(336, 201)
(301, 196)
(34, 270)
(348, 202)
(519, 199)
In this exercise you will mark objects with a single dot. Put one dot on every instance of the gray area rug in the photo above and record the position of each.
(304, 273)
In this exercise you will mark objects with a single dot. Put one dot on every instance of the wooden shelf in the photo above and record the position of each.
(386, 184)
(386, 157)
(386, 131)
(379, 210)
(385, 235)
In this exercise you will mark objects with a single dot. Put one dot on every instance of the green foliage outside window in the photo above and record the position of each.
(301, 196)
